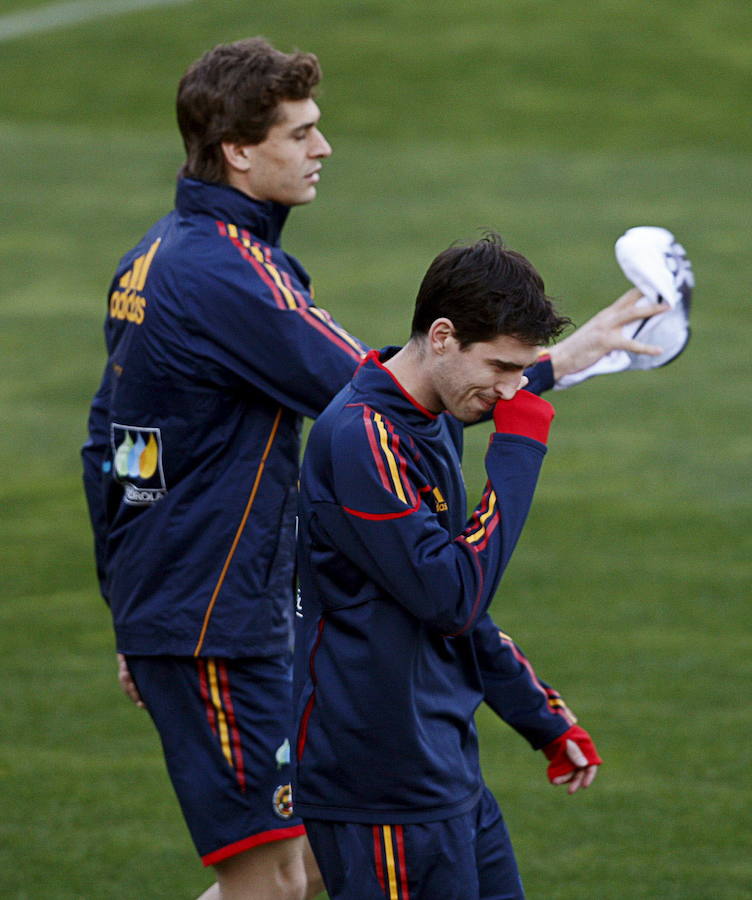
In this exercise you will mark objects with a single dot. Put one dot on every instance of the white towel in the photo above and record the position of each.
(657, 265)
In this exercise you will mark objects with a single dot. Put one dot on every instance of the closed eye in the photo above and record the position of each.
(501, 366)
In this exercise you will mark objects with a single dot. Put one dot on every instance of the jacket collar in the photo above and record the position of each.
(225, 203)
(379, 383)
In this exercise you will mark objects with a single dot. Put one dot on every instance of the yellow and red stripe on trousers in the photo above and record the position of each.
(214, 684)
(389, 861)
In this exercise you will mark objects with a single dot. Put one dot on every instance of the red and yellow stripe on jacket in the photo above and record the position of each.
(284, 292)
(391, 465)
(554, 700)
(483, 521)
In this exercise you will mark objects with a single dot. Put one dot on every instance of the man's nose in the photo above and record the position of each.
(321, 148)
(507, 387)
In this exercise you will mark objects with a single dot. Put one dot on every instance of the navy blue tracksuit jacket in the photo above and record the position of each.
(215, 352)
(394, 647)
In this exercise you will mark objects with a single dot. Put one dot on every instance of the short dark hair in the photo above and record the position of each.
(487, 290)
(232, 93)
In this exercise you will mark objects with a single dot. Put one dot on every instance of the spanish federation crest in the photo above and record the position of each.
(282, 803)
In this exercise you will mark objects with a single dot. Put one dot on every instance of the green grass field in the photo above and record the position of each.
(560, 125)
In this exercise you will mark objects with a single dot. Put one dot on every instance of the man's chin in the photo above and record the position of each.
(307, 196)
(469, 416)
(300, 199)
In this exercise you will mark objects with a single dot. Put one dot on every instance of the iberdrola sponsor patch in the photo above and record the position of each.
(137, 463)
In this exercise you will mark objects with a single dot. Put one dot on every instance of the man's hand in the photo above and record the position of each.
(573, 759)
(127, 683)
(603, 333)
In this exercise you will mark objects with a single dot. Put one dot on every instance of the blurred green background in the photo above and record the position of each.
(560, 125)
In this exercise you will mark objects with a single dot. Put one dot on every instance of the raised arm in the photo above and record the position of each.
(379, 520)
(261, 328)
(603, 333)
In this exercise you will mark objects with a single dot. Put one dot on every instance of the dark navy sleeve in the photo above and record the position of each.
(540, 376)
(380, 522)
(514, 691)
(94, 453)
(253, 318)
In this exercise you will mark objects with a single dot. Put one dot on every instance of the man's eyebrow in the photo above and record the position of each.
(304, 126)
(506, 366)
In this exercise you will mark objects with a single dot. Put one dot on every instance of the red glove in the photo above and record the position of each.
(561, 762)
(525, 414)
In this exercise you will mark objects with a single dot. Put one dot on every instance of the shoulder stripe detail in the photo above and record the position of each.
(302, 302)
(293, 299)
(285, 295)
(391, 456)
(391, 464)
(333, 334)
(252, 252)
(328, 320)
(231, 232)
(401, 460)
(373, 443)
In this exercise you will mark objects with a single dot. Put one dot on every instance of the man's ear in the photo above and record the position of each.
(441, 335)
(237, 156)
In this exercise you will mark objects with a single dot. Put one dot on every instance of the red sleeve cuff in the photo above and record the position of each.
(525, 414)
(556, 752)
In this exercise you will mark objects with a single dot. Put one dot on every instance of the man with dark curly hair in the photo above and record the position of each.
(395, 649)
